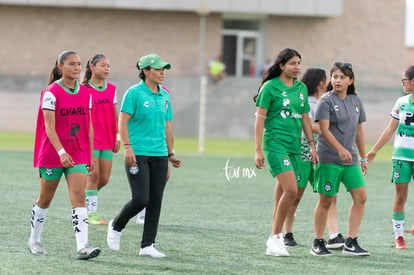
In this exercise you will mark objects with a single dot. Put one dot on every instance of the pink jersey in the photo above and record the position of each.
(72, 122)
(103, 116)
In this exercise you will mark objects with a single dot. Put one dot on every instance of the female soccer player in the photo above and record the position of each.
(315, 81)
(340, 114)
(146, 132)
(282, 113)
(63, 145)
(402, 121)
(106, 139)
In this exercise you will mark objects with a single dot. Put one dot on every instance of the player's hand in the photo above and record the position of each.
(130, 159)
(364, 167)
(117, 146)
(67, 161)
(91, 169)
(345, 156)
(371, 156)
(175, 161)
(259, 160)
(314, 158)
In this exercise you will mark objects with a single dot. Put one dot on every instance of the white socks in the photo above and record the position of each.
(80, 226)
(398, 228)
(37, 221)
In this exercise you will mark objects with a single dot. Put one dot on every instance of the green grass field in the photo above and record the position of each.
(208, 225)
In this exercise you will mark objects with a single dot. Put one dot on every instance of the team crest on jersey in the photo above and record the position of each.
(328, 187)
(286, 161)
(301, 96)
(49, 171)
(357, 108)
(396, 174)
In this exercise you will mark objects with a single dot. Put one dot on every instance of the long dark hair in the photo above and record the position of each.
(346, 69)
(56, 74)
(88, 71)
(275, 70)
(410, 72)
(311, 78)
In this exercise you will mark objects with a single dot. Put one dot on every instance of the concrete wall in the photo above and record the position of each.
(32, 38)
(369, 34)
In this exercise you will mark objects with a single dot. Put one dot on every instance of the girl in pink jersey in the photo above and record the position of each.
(63, 145)
(106, 137)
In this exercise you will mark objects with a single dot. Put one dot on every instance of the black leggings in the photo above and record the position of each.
(147, 189)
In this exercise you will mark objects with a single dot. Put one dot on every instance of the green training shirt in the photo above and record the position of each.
(149, 112)
(285, 106)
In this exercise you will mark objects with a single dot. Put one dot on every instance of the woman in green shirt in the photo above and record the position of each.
(282, 113)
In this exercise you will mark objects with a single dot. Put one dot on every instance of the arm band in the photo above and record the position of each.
(259, 115)
(61, 152)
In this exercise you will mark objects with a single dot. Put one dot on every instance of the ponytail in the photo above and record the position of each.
(55, 74)
(88, 71)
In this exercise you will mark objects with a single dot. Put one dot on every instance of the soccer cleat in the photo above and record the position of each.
(151, 251)
(88, 252)
(141, 217)
(400, 243)
(336, 243)
(352, 248)
(289, 240)
(36, 248)
(93, 218)
(319, 248)
(276, 246)
(113, 238)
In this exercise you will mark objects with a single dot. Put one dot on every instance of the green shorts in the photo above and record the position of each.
(328, 177)
(402, 171)
(306, 174)
(56, 172)
(281, 161)
(103, 154)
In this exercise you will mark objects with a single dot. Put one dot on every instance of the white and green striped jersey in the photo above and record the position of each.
(403, 111)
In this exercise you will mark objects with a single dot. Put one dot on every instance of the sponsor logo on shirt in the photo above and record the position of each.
(146, 104)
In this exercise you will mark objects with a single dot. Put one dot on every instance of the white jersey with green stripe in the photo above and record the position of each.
(403, 111)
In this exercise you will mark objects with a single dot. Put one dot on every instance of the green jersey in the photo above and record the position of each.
(285, 106)
(403, 111)
(149, 112)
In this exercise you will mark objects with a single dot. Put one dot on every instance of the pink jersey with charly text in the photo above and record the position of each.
(103, 117)
(72, 121)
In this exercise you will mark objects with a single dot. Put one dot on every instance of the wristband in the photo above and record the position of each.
(309, 141)
(61, 152)
(118, 136)
(126, 144)
(363, 160)
(170, 155)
